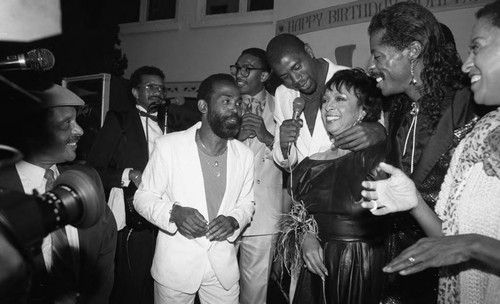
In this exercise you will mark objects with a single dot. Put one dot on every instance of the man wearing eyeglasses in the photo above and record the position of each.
(251, 71)
(120, 154)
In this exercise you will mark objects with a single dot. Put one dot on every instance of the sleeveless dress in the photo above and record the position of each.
(353, 240)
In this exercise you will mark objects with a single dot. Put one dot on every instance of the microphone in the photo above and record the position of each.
(37, 59)
(298, 107)
(175, 100)
(162, 105)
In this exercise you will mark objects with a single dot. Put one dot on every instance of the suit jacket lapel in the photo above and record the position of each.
(454, 116)
(135, 128)
(10, 180)
(267, 116)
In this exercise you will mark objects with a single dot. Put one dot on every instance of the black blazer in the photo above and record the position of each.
(459, 113)
(120, 144)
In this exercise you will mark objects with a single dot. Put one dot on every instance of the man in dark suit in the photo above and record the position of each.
(120, 154)
(75, 265)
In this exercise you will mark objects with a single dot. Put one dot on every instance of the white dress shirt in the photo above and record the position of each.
(116, 198)
(32, 179)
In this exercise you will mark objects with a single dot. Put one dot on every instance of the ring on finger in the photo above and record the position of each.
(412, 260)
(375, 205)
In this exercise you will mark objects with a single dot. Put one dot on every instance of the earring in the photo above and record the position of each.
(413, 81)
(360, 118)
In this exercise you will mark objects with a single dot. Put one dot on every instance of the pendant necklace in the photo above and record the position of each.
(415, 109)
(214, 166)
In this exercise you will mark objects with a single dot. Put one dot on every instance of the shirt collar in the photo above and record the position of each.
(32, 176)
(141, 108)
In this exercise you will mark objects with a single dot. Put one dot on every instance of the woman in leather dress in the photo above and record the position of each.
(343, 261)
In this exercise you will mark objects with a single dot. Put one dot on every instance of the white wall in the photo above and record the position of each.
(192, 51)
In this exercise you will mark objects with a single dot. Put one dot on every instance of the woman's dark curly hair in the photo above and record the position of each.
(364, 88)
(406, 22)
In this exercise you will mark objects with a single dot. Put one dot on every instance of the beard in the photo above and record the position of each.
(222, 126)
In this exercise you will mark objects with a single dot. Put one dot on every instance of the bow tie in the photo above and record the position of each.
(253, 105)
(149, 115)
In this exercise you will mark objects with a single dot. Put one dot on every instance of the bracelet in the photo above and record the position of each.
(172, 209)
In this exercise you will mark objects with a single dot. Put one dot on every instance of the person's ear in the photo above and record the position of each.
(309, 50)
(135, 93)
(202, 106)
(264, 76)
(414, 50)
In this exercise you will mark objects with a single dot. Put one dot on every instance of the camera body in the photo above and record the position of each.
(76, 199)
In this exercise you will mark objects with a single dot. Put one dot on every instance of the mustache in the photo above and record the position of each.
(73, 139)
(231, 116)
(374, 74)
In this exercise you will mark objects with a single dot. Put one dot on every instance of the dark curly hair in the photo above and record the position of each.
(490, 11)
(406, 22)
(364, 88)
(135, 79)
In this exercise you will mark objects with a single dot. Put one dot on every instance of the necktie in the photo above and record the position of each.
(62, 274)
(253, 105)
(159, 119)
(149, 115)
(50, 177)
(258, 106)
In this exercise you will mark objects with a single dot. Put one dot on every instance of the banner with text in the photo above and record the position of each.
(358, 12)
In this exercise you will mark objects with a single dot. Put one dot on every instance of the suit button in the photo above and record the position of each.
(258, 181)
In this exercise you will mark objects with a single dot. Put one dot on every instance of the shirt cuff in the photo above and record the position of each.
(125, 180)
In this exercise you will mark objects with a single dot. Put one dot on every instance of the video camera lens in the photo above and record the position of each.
(76, 199)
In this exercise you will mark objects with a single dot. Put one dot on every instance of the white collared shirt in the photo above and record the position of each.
(152, 129)
(32, 178)
(116, 198)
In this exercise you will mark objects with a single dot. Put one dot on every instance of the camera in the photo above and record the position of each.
(76, 199)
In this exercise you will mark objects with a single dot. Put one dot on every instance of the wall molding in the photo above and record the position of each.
(359, 12)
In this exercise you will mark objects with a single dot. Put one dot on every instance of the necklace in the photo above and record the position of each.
(206, 150)
(216, 165)
(415, 109)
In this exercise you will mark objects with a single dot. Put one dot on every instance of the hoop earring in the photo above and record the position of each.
(413, 81)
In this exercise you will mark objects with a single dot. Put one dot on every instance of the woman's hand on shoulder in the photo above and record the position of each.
(312, 253)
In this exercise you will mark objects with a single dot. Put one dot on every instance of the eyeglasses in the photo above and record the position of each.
(153, 88)
(244, 70)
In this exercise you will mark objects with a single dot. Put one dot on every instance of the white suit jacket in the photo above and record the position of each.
(173, 174)
(268, 182)
(306, 145)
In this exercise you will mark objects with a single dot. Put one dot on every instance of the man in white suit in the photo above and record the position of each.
(305, 76)
(198, 189)
(256, 246)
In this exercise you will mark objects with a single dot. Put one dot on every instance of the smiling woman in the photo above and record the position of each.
(464, 237)
(328, 186)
